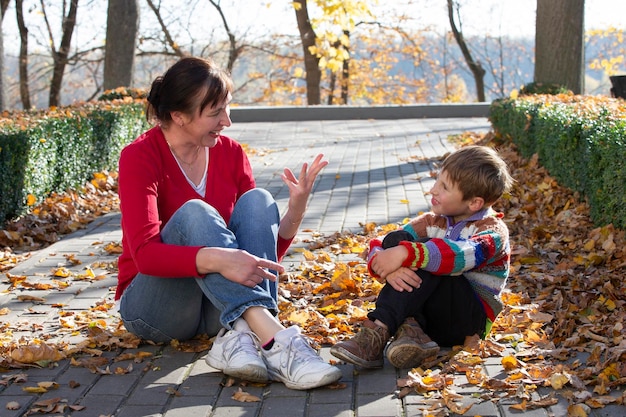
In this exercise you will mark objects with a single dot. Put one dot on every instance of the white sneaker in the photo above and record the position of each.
(236, 353)
(294, 362)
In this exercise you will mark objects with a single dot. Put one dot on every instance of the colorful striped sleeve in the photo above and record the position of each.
(453, 257)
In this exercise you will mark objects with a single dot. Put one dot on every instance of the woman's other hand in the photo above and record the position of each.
(237, 265)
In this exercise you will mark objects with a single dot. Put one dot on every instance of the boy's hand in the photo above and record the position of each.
(389, 260)
(404, 279)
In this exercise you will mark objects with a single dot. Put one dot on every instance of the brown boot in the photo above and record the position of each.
(410, 346)
(364, 349)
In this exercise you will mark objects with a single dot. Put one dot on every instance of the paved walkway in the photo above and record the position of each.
(376, 166)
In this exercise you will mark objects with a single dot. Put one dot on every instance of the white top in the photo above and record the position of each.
(201, 187)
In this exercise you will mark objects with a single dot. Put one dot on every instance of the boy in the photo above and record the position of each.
(444, 270)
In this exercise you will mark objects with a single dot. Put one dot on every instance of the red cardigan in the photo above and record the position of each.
(152, 187)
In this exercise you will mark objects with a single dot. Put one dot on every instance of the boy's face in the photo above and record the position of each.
(447, 199)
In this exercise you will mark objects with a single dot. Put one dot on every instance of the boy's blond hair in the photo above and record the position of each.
(478, 171)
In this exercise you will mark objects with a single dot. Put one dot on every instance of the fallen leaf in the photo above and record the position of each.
(245, 397)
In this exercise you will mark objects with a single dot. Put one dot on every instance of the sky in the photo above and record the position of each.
(515, 18)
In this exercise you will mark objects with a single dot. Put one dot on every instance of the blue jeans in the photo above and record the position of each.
(161, 309)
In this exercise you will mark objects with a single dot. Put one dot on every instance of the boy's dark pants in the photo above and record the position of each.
(446, 307)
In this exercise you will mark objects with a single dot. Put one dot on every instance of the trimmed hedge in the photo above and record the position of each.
(61, 149)
(579, 140)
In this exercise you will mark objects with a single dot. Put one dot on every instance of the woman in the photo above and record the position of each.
(201, 244)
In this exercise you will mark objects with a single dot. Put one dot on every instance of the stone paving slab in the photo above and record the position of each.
(379, 171)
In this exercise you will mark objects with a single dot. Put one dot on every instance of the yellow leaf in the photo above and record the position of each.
(589, 245)
(509, 363)
(530, 260)
(62, 272)
(608, 303)
(576, 410)
(521, 406)
(30, 200)
(48, 385)
(98, 323)
(35, 390)
(558, 380)
(342, 279)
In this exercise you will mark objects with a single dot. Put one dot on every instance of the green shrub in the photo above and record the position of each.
(61, 149)
(579, 140)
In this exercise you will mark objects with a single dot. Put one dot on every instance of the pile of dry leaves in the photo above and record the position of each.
(564, 300)
(57, 215)
(565, 297)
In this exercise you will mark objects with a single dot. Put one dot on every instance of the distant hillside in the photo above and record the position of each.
(508, 67)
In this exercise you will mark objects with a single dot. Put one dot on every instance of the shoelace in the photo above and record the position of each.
(245, 341)
(299, 351)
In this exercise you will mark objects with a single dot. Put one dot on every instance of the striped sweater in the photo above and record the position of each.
(477, 247)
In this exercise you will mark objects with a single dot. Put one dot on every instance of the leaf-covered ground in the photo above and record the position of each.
(564, 299)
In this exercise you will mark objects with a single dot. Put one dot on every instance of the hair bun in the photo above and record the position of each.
(154, 95)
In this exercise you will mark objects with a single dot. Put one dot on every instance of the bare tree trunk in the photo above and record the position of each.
(344, 82)
(4, 4)
(559, 43)
(331, 89)
(23, 59)
(345, 74)
(59, 56)
(121, 40)
(475, 67)
(311, 62)
(233, 51)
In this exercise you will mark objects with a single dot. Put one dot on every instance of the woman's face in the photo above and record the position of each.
(207, 125)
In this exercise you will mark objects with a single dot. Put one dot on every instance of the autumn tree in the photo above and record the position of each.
(400, 73)
(604, 54)
(559, 43)
(121, 41)
(478, 72)
(326, 42)
(308, 38)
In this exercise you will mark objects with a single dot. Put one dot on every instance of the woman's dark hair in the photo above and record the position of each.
(180, 89)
